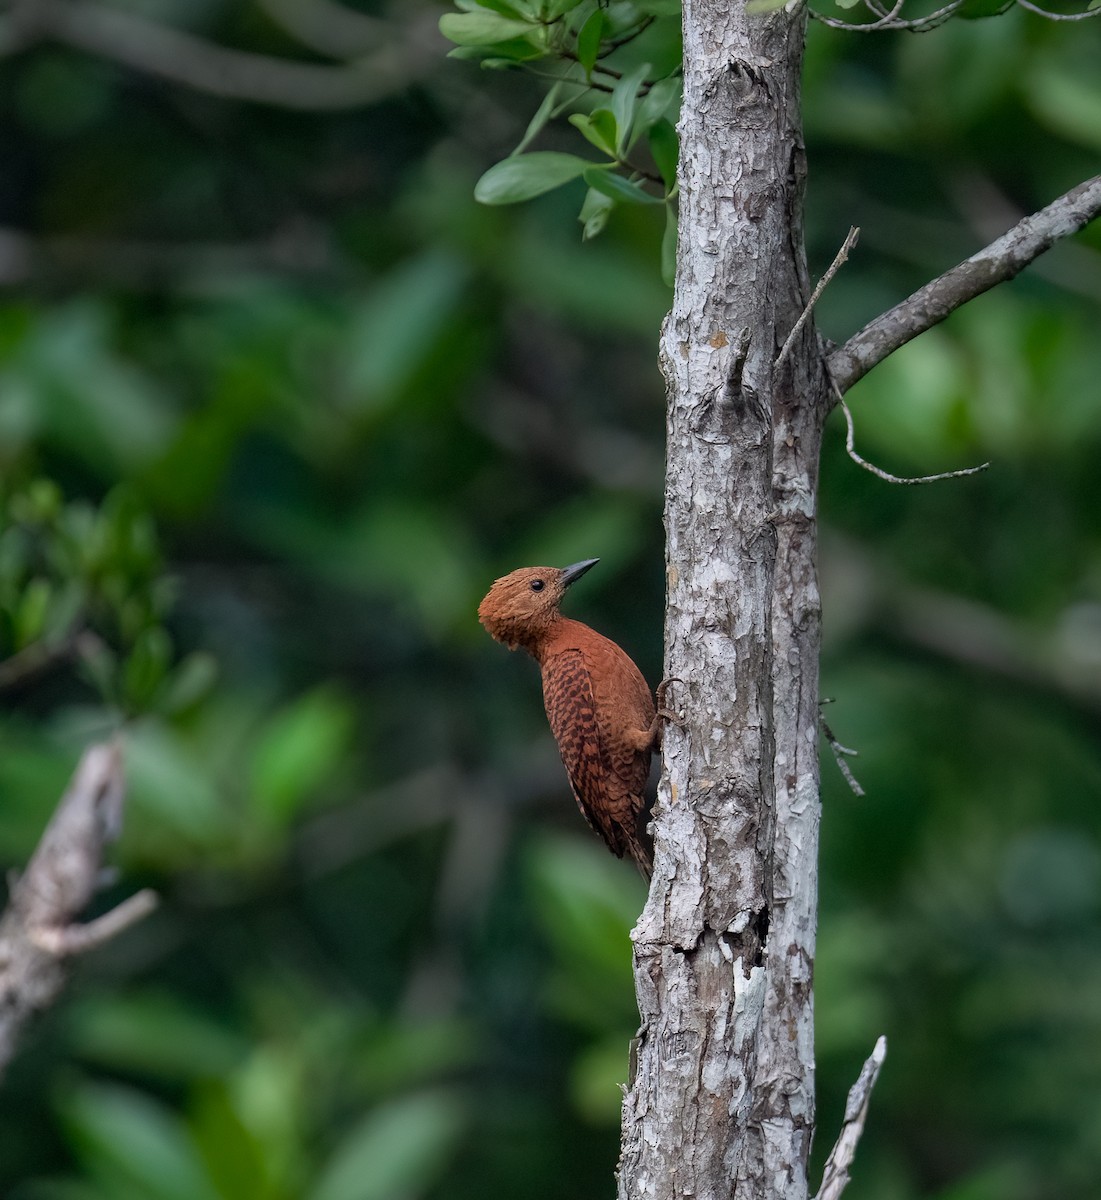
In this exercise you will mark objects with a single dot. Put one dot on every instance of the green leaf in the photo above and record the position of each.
(134, 1144)
(527, 175)
(146, 666)
(553, 9)
(237, 1158)
(659, 8)
(408, 311)
(542, 115)
(669, 246)
(618, 188)
(665, 147)
(399, 1149)
(624, 104)
(598, 128)
(98, 664)
(30, 617)
(518, 9)
(505, 56)
(188, 683)
(757, 7)
(594, 213)
(175, 797)
(656, 104)
(299, 749)
(155, 1033)
(482, 28)
(40, 503)
(588, 40)
(66, 603)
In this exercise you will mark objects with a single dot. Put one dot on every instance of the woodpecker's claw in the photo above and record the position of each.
(667, 714)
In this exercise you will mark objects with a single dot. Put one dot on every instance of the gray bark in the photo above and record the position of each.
(722, 1101)
(38, 936)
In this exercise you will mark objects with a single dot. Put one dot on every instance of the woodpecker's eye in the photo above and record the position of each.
(537, 585)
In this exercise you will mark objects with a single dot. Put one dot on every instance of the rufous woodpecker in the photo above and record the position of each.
(600, 708)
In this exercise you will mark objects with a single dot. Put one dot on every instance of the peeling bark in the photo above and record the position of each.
(722, 1102)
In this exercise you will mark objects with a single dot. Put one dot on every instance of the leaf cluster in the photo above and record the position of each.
(589, 51)
(84, 584)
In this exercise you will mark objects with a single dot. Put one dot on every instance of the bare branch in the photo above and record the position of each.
(836, 1173)
(1001, 260)
(839, 259)
(36, 930)
(886, 475)
(840, 753)
(233, 74)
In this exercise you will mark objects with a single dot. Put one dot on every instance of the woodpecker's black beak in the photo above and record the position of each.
(572, 573)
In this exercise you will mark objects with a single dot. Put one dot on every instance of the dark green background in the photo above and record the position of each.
(391, 962)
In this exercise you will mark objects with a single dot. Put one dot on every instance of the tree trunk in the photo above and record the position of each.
(722, 1099)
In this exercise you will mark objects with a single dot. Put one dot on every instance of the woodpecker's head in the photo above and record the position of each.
(520, 608)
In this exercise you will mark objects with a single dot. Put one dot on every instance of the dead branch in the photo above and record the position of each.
(1001, 260)
(38, 932)
(836, 1173)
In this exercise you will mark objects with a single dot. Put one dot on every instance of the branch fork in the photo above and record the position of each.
(38, 932)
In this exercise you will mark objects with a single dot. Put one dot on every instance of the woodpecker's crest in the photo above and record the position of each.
(520, 608)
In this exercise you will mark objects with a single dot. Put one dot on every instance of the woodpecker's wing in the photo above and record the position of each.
(606, 799)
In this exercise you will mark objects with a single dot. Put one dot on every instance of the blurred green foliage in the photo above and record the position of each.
(277, 393)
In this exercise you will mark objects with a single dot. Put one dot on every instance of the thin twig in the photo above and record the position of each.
(840, 753)
(891, 21)
(878, 471)
(836, 1173)
(615, 43)
(839, 259)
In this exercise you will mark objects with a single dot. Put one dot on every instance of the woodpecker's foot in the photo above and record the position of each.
(667, 714)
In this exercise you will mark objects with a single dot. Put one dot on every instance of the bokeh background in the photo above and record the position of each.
(277, 355)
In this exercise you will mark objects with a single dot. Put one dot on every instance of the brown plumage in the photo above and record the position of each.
(600, 708)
